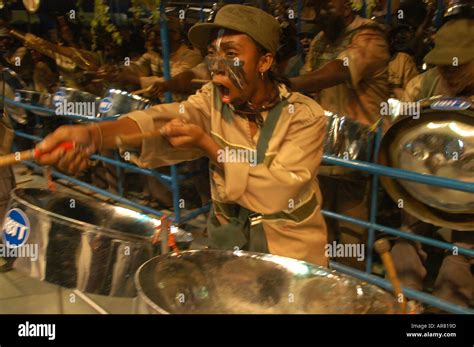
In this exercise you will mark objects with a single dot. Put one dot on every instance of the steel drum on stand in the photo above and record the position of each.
(82, 243)
(209, 282)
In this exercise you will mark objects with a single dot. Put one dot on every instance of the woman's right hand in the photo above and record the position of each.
(86, 139)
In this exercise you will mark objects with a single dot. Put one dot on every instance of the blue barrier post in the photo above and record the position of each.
(374, 198)
(168, 98)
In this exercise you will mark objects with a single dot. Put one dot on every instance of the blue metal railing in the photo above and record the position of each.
(166, 180)
(375, 169)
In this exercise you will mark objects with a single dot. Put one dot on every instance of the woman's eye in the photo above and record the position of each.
(231, 54)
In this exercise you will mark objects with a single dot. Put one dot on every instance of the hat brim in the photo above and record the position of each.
(439, 56)
(200, 33)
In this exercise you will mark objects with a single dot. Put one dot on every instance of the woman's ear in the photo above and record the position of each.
(266, 62)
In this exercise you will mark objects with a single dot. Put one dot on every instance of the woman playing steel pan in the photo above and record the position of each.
(265, 142)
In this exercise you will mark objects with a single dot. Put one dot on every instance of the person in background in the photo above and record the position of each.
(453, 75)
(346, 67)
(347, 63)
(148, 69)
(402, 67)
(296, 62)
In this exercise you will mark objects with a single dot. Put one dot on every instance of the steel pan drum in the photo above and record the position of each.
(243, 282)
(117, 102)
(79, 102)
(440, 143)
(83, 243)
(346, 139)
(12, 79)
(34, 98)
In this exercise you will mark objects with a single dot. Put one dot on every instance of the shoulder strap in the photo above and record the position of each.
(267, 130)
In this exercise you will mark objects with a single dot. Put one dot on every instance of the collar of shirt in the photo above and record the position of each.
(259, 115)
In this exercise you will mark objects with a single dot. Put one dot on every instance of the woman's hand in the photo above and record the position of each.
(181, 134)
(107, 72)
(86, 138)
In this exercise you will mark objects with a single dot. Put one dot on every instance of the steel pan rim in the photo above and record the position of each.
(142, 295)
(114, 234)
(125, 93)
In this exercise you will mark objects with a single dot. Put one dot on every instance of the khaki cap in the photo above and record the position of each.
(257, 24)
(455, 39)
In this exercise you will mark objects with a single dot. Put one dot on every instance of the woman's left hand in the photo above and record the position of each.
(181, 134)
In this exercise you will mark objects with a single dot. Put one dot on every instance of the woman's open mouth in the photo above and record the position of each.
(225, 93)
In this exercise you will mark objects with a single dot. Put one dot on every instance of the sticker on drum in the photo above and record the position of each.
(105, 105)
(59, 97)
(17, 97)
(16, 228)
(451, 104)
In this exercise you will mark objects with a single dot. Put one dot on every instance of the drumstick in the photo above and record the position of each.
(382, 247)
(136, 138)
(194, 81)
(31, 154)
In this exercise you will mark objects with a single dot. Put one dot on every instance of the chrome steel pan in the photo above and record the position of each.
(117, 102)
(243, 282)
(34, 98)
(346, 138)
(440, 143)
(12, 79)
(85, 244)
(75, 102)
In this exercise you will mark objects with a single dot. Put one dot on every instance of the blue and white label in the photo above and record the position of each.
(17, 97)
(16, 228)
(59, 97)
(105, 105)
(451, 104)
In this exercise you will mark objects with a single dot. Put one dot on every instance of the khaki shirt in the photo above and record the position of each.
(401, 70)
(151, 63)
(286, 181)
(426, 85)
(366, 52)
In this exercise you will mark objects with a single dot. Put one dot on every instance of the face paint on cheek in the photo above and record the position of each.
(235, 71)
(220, 34)
(232, 68)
